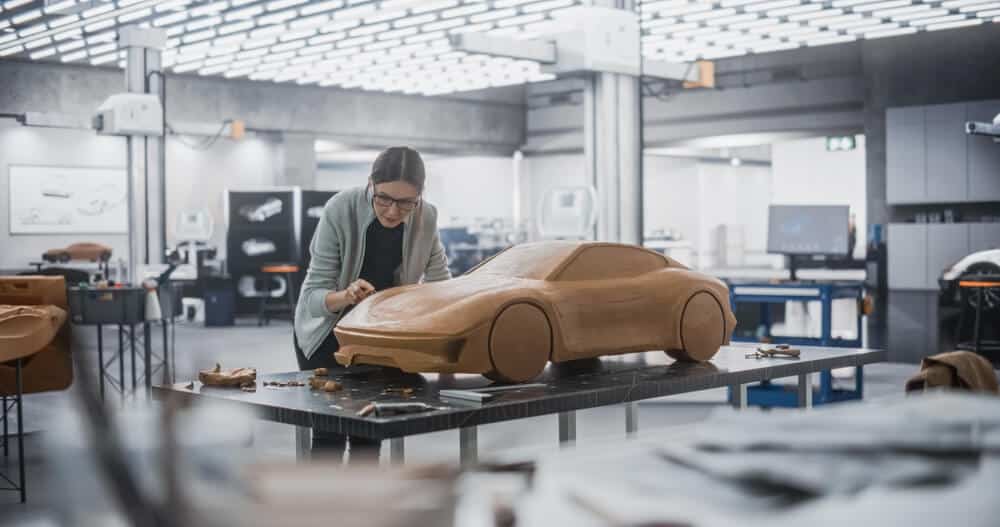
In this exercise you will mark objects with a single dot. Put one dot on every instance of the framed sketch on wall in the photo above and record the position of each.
(56, 200)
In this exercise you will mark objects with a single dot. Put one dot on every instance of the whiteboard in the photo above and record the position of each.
(54, 200)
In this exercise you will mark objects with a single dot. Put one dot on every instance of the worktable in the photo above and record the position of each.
(623, 379)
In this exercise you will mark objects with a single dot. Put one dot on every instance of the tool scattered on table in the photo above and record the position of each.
(485, 394)
(380, 409)
(779, 351)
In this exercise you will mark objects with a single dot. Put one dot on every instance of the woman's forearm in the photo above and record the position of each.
(336, 300)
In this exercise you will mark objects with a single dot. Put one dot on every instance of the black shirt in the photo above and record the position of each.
(383, 255)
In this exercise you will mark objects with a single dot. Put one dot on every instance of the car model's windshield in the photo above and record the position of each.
(531, 260)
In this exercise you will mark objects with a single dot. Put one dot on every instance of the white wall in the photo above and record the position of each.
(804, 173)
(462, 188)
(540, 173)
(50, 146)
(198, 179)
(195, 179)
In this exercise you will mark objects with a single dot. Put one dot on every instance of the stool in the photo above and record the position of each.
(269, 270)
(981, 285)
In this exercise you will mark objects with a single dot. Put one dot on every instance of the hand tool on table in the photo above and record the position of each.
(780, 351)
(487, 393)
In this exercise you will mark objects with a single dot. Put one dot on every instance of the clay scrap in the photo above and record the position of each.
(236, 377)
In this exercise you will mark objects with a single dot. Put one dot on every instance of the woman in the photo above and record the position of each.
(369, 239)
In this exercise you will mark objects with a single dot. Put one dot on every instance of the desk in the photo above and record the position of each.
(765, 293)
(125, 307)
(568, 388)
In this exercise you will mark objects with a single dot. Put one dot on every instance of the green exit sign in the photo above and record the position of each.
(840, 143)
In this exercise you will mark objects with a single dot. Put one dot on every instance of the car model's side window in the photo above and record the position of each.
(604, 262)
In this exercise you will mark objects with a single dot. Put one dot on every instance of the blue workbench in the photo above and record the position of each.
(766, 293)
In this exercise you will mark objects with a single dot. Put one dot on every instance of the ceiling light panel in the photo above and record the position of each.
(331, 42)
(677, 30)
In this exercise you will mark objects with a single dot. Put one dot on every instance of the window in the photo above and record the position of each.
(604, 262)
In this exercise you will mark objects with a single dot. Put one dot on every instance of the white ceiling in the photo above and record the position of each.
(685, 30)
(387, 45)
(402, 45)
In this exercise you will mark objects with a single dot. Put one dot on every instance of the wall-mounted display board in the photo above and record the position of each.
(58, 200)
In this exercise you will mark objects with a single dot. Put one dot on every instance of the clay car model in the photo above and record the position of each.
(540, 302)
(93, 252)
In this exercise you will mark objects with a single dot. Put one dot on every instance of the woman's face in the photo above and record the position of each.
(394, 202)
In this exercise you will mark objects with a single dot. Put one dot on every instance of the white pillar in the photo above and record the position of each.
(146, 179)
(613, 150)
(299, 160)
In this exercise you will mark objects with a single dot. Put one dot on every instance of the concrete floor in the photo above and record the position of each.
(269, 350)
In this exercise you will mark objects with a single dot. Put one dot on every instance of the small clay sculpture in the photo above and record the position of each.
(234, 377)
(321, 372)
(332, 386)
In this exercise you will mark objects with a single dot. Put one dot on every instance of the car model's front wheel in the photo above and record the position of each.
(520, 343)
(702, 328)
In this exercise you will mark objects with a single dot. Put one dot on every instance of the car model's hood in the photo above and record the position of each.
(450, 307)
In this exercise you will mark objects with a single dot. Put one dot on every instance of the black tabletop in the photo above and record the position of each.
(568, 386)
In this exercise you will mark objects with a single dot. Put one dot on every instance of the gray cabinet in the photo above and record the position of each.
(984, 236)
(944, 153)
(946, 244)
(906, 177)
(984, 155)
(919, 252)
(907, 254)
(930, 158)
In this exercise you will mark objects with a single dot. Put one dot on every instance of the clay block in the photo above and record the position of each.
(51, 367)
(540, 302)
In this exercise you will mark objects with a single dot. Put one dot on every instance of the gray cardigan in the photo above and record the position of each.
(338, 251)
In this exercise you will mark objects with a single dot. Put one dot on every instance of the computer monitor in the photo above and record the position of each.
(808, 229)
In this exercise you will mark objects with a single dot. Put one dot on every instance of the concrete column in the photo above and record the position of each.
(613, 149)
(299, 161)
(146, 175)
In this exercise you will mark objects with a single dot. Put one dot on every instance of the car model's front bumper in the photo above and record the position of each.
(416, 354)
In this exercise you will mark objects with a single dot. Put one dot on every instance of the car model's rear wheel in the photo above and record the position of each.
(520, 343)
(702, 327)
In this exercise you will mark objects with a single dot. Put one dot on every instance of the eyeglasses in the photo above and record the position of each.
(404, 205)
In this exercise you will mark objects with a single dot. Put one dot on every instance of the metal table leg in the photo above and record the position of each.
(6, 451)
(631, 418)
(397, 451)
(303, 443)
(168, 375)
(567, 428)
(100, 358)
(468, 448)
(739, 392)
(805, 390)
(20, 434)
(121, 362)
(148, 349)
(131, 336)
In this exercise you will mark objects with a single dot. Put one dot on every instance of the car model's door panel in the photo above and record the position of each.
(598, 317)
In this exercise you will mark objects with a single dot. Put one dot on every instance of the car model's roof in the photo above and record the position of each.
(538, 260)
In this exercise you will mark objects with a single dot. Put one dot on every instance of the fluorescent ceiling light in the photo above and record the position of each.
(26, 16)
(891, 32)
(953, 25)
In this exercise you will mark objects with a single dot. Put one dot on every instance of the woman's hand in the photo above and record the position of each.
(356, 292)
(359, 290)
